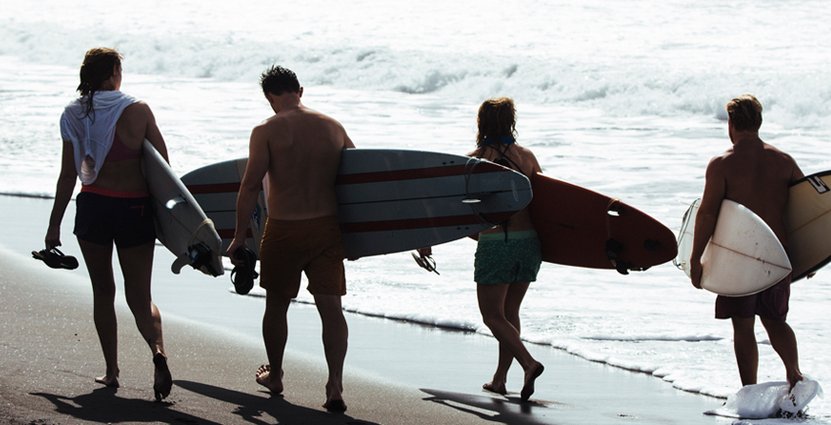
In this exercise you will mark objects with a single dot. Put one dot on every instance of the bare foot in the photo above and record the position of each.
(109, 381)
(264, 378)
(530, 377)
(495, 388)
(335, 406)
(793, 379)
(162, 380)
(334, 398)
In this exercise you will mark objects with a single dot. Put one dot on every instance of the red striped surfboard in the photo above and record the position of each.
(389, 200)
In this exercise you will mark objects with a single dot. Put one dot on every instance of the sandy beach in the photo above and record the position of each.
(396, 373)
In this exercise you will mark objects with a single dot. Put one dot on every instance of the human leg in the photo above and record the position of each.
(137, 267)
(746, 350)
(335, 342)
(513, 301)
(275, 335)
(492, 299)
(98, 259)
(783, 341)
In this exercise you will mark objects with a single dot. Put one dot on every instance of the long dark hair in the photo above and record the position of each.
(496, 121)
(98, 67)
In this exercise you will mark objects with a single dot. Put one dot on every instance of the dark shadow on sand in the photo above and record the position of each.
(507, 410)
(103, 405)
(265, 409)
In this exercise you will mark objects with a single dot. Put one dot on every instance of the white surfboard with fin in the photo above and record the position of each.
(743, 256)
(181, 225)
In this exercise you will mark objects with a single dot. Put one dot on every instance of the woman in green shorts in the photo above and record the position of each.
(508, 254)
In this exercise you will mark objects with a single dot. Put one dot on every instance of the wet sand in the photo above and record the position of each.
(396, 373)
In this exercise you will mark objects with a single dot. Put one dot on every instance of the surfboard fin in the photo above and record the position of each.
(198, 257)
(181, 261)
(613, 250)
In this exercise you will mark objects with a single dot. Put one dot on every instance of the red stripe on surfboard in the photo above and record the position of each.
(373, 177)
(422, 223)
(418, 173)
(213, 188)
(406, 224)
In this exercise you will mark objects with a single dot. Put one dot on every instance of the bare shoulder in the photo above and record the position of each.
(776, 151)
(135, 118)
(140, 108)
(525, 151)
(785, 161)
(328, 119)
(272, 124)
(718, 162)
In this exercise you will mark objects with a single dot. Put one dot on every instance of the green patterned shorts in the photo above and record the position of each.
(514, 260)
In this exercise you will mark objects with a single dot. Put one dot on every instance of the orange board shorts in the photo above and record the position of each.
(313, 246)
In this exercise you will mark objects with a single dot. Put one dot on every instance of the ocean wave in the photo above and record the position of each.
(636, 88)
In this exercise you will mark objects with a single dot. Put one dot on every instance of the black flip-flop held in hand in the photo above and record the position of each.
(56, 259)
(243, 276)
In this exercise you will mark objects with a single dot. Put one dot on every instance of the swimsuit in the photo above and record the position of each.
(102, 219)
(512, 258)
(772, 303)
(105, 216)
(313, 246)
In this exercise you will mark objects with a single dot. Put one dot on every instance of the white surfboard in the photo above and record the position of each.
(769, 400)
(808, 220)
(181, 225)
(743, 256)
(389, 200)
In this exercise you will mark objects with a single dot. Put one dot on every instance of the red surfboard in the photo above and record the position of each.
(579, 227)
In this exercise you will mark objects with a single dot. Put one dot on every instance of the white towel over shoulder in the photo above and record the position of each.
(92, 134)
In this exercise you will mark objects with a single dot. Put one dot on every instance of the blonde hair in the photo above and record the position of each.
(745, 112)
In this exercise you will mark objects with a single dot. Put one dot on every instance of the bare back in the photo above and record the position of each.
(758, 175)
(304, 152)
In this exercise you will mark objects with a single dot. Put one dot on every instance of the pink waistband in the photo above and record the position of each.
(113, 193)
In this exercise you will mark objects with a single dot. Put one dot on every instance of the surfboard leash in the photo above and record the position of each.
(471, 201)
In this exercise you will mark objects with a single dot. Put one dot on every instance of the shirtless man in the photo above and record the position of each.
(298, 152)
(756, 175)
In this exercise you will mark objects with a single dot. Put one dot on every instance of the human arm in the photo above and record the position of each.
(797, 173)
(63, 193)
(535, 165)
(347, 142)
(255, 171)
(705, 221)
(151, 130)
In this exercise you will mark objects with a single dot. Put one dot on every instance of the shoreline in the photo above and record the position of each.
(396, 371)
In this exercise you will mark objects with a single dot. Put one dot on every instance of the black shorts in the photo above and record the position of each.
(103, 220)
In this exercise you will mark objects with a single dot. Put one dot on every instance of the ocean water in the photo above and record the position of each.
(624, 98)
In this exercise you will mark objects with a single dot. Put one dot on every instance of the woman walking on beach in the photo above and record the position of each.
(508, 254)
(103, 131)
